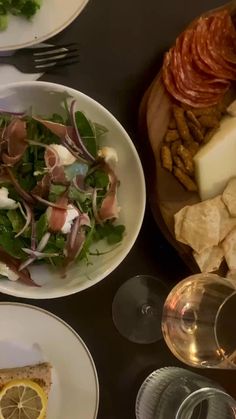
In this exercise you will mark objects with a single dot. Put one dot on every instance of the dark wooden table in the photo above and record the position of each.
(122, 44)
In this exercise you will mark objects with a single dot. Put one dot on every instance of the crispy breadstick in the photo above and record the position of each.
(186, 180)
(166, 158)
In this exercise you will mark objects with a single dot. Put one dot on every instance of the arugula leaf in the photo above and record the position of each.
(97, 179)
(76, 195)
(56, 117)
(86, 132)
(55, 192)
(41, 226)
(112, 233)
(16, 219)
(88, 242)
(5, 224)
(73, 193)
(3, 20)
(12, 245)
(56, 243)
(37, 132)
(99, 129)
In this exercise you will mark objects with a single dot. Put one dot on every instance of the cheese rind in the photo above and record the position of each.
(215, 163)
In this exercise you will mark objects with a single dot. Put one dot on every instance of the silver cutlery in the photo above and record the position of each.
(42, 59)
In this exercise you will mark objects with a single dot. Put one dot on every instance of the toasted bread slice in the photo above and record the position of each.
(39, 373)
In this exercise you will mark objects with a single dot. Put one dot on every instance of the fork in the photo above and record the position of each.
(43, 59)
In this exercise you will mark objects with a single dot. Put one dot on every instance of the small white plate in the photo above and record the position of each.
(52, 18)
(30, 335)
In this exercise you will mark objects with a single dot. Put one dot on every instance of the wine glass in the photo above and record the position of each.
(137, 308)
(198, 321)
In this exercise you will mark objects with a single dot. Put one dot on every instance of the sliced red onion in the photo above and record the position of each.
(11, 160)
(82, 238)
(4, 111)
(48, 203)
(28, 218)
(87, 192)
(37, 254)
(94, 206)
(85, 220)
(74, 232)
(43, 242)
(26, 263)
(73, 149)
(13, 264)
(33, 232)
(79, 141)
(25, 195)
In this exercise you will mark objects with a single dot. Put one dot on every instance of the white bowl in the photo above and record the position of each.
(46, 98)
(53, 17)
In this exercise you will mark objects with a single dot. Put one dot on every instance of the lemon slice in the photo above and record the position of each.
(22, 399)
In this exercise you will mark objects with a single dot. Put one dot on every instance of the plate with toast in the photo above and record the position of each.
(46, 370)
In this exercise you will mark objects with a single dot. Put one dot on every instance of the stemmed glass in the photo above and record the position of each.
(137, 308)
(198, 321)
(197, 318)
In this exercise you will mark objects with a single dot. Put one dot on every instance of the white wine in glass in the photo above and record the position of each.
(199, 321)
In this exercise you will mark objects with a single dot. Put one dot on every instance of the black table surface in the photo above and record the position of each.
(121, 48)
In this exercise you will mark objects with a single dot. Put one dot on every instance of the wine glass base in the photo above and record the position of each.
(137, 309)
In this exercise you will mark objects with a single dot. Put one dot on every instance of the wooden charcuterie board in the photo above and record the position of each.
(166, 195)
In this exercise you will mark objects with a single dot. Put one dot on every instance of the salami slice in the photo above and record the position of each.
(226, 43)
(182, 83)
(197, 79)
(216, 42)
(213, 66)
(171, 87)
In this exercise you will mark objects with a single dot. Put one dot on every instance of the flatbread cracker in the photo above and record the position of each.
(229, 197)
(227, 223)
(199, 225)
(210, 259)
(229, 248)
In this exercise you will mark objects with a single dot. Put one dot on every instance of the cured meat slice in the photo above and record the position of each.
(171, 87)
(182, 83)
(57, 216)
(197, 79)
(225, 41)
(217, 42)
(210, 63)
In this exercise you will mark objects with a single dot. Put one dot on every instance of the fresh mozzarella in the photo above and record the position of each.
(71, 214)
(5, 271)
(5, 202)
(109, 154)
(215, 163)
(65, 156)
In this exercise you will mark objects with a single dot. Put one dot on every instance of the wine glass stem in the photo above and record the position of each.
(147, 310)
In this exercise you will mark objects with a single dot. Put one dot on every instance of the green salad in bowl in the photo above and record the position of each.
(58, 191)
(24, 8)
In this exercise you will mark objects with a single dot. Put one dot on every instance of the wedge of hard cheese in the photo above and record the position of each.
(215, 163)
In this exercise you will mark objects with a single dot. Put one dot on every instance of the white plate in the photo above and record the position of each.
(52, 18)
(30, 335)
(46, 99)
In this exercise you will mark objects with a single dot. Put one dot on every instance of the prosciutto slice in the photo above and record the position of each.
(57, 216)
(14, 264)
(15, 137)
